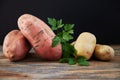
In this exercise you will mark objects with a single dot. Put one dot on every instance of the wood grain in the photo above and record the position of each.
(33, 68)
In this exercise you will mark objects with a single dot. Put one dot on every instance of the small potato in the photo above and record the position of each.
(15, 46)
(104, 52)
(85, 44)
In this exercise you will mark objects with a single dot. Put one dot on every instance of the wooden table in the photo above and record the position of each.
(32, 68)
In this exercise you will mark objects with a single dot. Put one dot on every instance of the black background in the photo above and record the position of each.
(100, 17)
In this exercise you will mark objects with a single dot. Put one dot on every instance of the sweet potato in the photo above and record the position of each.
(104, 52)
(15, 45)
(85, 44)
(40, 36)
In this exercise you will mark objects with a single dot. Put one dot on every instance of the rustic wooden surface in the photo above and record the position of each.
(32, 68)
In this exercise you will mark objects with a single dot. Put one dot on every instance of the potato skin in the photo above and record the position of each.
(40, 37)
(73, 43)
(15, 46)
(85, 44)
(104, 52)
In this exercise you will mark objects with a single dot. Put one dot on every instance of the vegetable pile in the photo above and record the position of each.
(36, 34)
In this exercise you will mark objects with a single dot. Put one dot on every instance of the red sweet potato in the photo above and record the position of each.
(40, 35)
(15, 46)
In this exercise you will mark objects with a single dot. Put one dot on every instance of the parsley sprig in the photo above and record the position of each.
(64, 34)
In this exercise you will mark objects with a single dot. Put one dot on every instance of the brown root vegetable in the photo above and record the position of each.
(40, 36)
(85, 44)
(15, 46)
(104, 52)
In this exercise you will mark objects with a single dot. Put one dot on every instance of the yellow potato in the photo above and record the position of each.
(85, 44)
(73, 43)
(104, 52)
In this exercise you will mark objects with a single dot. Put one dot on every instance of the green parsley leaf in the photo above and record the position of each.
(56, 41)
(59, 24)
(71, 31)
(63, 36)
(72, 61)
(67, 36)
(82, 61)
(53, 23)
(64, 60)
(68, 27)
(68, 50)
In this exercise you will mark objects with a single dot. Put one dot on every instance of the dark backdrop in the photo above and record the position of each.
(100, 17)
